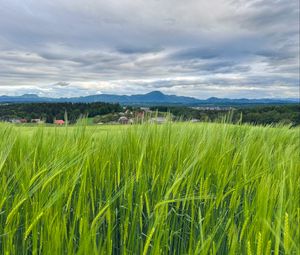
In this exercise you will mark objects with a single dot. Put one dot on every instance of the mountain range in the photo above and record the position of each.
(152, 98)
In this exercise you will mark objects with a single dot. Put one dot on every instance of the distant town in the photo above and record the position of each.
(114, 114)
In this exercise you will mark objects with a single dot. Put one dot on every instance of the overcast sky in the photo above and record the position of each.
(200, 48)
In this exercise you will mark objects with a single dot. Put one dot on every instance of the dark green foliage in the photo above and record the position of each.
(50, 111)
(287, 114)
(271, 114)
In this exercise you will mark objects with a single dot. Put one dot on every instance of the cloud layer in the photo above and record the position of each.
(225, 48)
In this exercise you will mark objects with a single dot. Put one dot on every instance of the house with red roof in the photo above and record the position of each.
(59, 122)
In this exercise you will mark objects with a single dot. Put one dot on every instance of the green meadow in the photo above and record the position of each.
(182, 188)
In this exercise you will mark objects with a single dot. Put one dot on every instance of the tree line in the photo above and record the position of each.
(50, 111)
(260, 115)
(288, 114)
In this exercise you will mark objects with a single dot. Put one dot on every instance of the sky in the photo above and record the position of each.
(199, 48)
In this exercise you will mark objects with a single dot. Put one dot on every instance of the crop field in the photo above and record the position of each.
(180, 188)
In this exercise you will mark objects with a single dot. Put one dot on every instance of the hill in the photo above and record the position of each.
(152, 98)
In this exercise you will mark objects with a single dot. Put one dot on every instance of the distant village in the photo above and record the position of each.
(60, 114)
(129, 116)
(34, 121)
(212, 108)
(125, 117)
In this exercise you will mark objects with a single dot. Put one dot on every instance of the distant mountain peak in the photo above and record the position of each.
(213, 98)
(155, 93)
(30, 96)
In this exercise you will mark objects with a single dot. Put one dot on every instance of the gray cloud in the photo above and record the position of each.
(196, 47)
(62, 84)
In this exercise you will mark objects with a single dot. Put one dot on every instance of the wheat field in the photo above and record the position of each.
(181, 188)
